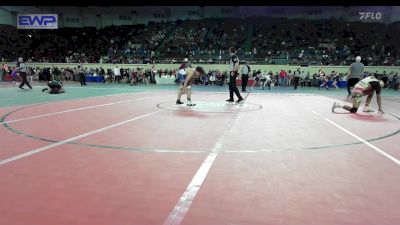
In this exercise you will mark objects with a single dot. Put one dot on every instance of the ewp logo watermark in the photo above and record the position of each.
(370, 15)
(37, 21)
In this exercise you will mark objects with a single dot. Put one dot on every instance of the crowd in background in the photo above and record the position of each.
(258, 40)
(285, 78)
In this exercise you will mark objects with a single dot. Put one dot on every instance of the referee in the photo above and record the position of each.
(233, 73)
(356, 71)
(23, 69)
(81, 73)
(245, 75)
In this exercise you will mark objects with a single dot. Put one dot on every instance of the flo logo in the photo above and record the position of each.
(370, 15)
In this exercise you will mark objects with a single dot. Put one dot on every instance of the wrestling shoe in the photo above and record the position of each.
(230, 100)
(334, 106)
(189, 103)
(178, 102)
(367, 110)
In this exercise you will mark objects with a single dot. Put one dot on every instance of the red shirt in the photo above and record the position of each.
(282, 74)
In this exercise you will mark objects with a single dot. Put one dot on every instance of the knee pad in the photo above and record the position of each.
(353, 110)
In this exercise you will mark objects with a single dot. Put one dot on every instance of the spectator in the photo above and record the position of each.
(282, 78)
(334, 77)
(297, 75)
(289, 78)
(82, 77)
(117, 74)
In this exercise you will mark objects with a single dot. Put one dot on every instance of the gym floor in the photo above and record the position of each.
(109, 154)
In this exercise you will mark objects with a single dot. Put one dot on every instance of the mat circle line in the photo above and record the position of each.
(18, 132)
(200, 103)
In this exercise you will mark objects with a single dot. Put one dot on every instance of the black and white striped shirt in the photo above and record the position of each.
(232, 62)
(22, 68)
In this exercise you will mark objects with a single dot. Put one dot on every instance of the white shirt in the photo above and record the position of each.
(364, 83)
(23, 68)
(245, 69)
(117, 72)
(212, 78)
(266, 76)
(182, 71)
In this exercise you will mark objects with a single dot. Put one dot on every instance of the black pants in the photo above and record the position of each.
(82, 78)
(351, 83)
(24, 81)
(117, 78)
(296, 82)
(233, 88)
(385, 80)
(245, 79)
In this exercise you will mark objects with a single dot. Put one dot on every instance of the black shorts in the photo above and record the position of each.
(54, 91)
(352, 82)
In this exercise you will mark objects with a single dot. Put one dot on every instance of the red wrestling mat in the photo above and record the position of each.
(140, 159)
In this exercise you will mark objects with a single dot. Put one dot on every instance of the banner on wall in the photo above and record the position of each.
(37, 21)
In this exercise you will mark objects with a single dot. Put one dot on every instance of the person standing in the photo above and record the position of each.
(324, 78)
(282, 78)
(296, 78)
(117, 74)
(245, 75)
(82, 77)
(102, 74)
(396, 82)
(133, 77)
(335, 79)
(153, 74)
(233, 72)
(355, 74)
(23, 70)
(289, 78)
(385, 78)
